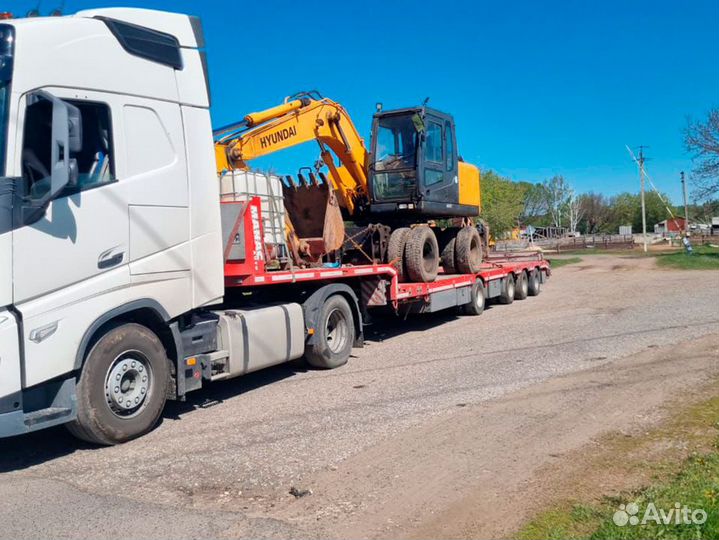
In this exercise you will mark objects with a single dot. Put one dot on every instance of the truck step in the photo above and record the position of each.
(42, 416)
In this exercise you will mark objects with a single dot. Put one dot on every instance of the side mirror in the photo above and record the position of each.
(418, 123)
(66, 137)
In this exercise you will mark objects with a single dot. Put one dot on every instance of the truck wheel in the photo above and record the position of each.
(507, 296)
(468, 250)
(521, 287)
(395, 250)
(421, 254)
(122, 387)
(334, 336)
(448, 257)
(535, 283)
(476, 306)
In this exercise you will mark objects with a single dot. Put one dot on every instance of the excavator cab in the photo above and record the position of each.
(414, 167)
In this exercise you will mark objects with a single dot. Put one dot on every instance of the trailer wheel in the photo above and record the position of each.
(476, 306)
(508, 289)
(421, 254)
(395, 250)
(122, 388)
(521, 287)
(334, 336)
(535, 283)
(468, 250)
(448, 257)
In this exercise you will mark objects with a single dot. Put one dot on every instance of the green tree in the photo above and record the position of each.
(596, 212)
(621, 211)
(502, 202)
(626, 209)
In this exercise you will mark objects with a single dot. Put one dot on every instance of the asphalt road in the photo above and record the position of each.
(223, 463)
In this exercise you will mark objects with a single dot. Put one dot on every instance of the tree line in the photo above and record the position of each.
(507, 204)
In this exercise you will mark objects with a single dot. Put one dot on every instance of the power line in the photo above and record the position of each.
(644, 208)
(646, 175)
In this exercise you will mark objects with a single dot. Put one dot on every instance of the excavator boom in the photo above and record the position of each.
(295, 122)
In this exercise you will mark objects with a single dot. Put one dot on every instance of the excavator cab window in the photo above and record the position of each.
(396, 140)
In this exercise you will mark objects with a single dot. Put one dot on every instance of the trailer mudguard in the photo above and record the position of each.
(313, 306)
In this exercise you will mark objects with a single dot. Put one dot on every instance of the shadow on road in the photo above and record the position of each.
(25, 451)
(387, 325)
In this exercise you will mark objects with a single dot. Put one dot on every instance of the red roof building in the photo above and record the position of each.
(672, 225)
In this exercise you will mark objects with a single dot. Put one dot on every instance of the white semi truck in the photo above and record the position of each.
(123, 280)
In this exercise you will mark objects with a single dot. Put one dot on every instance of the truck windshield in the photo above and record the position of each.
(7, 42)
(395, 156)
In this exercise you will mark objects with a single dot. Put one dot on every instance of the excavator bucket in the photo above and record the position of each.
(314, 213)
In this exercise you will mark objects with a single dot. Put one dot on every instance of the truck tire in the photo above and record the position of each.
(521, 287)
(395, 251)
(421, 254)
(476, 306)
(508, 289)
(122, 388)
(535, 283)
(447, 257)
(468, 251)
(334, 336)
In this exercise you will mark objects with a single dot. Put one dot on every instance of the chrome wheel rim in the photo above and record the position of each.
(128, 383)
(337, 331)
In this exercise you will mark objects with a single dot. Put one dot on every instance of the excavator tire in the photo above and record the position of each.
(448, 257)
(395, 251)
(421, 254)
(468, 251)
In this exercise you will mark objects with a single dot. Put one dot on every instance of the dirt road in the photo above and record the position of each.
(439, 431)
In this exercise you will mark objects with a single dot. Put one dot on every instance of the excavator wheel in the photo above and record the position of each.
(448, 257)
(421, 254)
(395, 251)
(468, 251)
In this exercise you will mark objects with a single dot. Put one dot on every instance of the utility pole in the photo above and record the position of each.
(686, 207)
(644, 209)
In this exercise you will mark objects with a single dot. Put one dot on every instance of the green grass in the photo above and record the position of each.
(693, 482)
(556, 263)
(703, 258)
(696, 486)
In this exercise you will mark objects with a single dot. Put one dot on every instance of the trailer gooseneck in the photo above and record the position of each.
(129, 274)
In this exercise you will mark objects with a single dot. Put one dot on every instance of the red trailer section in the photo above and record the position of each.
(507, 277)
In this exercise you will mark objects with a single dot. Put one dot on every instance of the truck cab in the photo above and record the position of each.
(108, 195)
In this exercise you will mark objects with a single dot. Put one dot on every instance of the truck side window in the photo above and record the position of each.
(95, 162)
(450, 146)
(434, 142)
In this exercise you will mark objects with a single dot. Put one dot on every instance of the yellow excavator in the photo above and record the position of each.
(410, 178)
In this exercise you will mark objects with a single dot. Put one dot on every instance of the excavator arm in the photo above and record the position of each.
(301, 119)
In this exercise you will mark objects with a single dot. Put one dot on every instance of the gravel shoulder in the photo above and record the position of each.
(435, 416)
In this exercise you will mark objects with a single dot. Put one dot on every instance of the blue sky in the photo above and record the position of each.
(536, 88)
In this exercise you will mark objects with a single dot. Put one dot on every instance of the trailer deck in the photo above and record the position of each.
(249, 271)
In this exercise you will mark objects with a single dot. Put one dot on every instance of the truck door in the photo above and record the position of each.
(439, 175)
(84, 232)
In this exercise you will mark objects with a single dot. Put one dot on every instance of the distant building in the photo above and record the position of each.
(670, 226)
